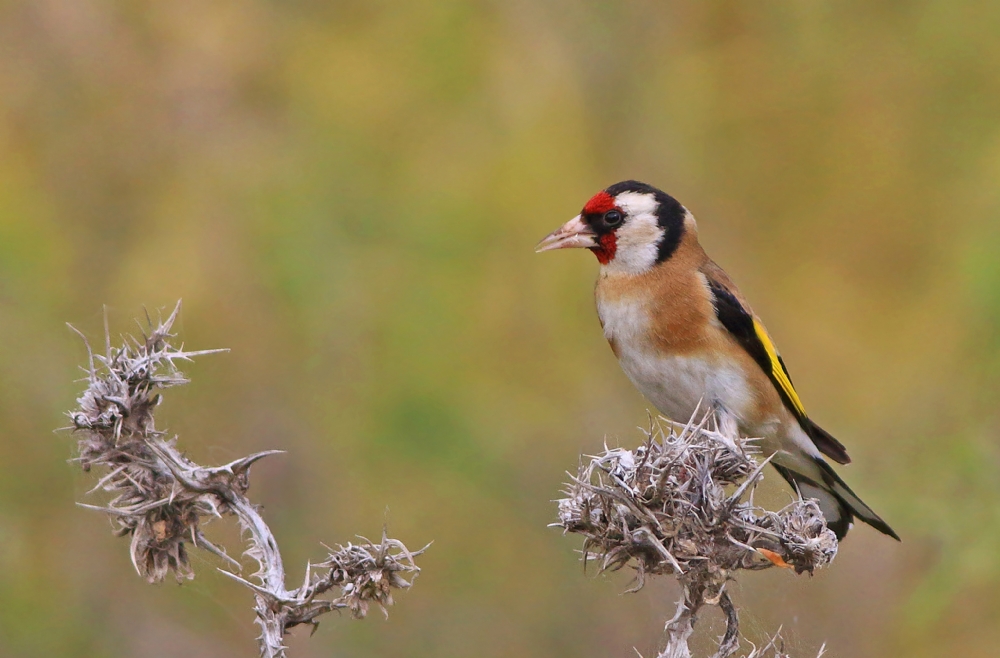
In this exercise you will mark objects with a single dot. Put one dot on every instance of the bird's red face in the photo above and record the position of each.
(629, 226)
(602, 208)
(595, 228)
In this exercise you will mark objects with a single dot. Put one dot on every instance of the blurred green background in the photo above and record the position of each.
(347, 194)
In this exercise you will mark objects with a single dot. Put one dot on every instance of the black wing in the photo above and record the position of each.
(752, 336)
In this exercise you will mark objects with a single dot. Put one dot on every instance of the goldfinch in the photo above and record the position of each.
(687, 339)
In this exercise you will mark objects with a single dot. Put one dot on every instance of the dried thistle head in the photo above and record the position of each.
(116, 433)
(678, 504)
(805, 537)
(681, 504)
(369, 572)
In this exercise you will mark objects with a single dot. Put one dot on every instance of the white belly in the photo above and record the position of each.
(676, 385)
(679, 385)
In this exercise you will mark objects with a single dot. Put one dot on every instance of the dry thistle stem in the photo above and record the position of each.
(161, 499)
(681, 504)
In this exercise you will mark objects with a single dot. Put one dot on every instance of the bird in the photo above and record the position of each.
(688, 339)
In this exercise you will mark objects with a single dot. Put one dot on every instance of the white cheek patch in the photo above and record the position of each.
(638, 239)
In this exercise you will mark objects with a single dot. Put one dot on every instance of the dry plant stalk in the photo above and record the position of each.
(682, 504)
(161, 499)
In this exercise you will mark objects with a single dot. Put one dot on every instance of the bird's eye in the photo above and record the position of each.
(613, 218)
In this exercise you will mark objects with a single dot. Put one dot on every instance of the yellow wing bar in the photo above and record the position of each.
(778, 370)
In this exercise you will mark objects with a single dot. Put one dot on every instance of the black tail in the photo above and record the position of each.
(839, 504)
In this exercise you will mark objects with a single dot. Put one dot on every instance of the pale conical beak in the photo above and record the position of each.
(573, 234)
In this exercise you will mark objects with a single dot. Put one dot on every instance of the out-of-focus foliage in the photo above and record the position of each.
(347, 195)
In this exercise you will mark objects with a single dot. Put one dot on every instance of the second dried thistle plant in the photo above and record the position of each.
(681, 505)
(160, 500)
